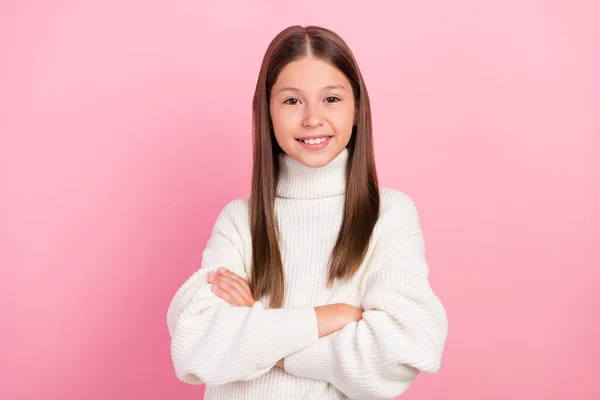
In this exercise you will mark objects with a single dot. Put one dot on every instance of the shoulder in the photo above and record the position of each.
(236, 207)
(235, 214)
(397, 212)
(396, 204)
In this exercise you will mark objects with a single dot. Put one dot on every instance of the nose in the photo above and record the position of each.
(312, 117)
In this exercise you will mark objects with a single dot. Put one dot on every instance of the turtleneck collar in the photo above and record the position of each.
(298, 181)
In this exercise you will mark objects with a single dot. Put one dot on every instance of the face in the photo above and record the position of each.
(312, 109)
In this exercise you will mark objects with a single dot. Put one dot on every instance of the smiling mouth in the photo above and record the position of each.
(315, 141)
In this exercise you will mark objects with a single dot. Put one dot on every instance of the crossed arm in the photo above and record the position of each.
(236, 292)
(214, 342)
(372, 354)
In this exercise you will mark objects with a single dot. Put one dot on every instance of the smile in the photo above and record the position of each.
(315, 143)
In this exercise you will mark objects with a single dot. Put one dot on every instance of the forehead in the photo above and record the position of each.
(310, 73)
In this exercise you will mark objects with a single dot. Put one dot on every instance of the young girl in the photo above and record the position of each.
(316, 287)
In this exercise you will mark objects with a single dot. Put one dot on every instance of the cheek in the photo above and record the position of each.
(284, 123)
(343, 122)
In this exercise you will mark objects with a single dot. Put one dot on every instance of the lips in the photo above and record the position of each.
(318, 142)
(314, 137)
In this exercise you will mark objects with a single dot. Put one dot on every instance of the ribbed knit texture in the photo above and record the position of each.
(233, 350)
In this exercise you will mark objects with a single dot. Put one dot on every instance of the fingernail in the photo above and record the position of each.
(211, 276)
(214, 288)
(221, 270)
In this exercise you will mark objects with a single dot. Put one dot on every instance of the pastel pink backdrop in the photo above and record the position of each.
(125, 127)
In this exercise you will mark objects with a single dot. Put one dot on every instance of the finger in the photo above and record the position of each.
(243, 295)
(212, 275)
(231, 287)
(224, 295)
(243, 287)
(243, 282)
(237, 289)
(233, 275)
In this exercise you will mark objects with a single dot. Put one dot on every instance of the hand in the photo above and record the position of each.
(333, 317)
(231, 288)
(280, 364)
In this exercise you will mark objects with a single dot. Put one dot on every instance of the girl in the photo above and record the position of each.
(316, 287)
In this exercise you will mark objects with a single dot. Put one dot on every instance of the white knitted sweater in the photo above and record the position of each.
(233, 350)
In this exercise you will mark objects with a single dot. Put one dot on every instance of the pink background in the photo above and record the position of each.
(125, 127)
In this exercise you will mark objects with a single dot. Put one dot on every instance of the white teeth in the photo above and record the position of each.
(315, 141)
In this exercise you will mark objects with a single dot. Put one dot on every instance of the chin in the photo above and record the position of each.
(316, 160)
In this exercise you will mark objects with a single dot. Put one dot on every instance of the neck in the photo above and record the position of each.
(298, 181)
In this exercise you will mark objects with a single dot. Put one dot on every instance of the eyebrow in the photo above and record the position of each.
(328, 87)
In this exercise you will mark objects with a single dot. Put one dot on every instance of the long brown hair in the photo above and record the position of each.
(361, 207)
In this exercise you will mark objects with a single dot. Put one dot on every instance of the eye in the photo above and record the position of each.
(291, 101)
(332, 99)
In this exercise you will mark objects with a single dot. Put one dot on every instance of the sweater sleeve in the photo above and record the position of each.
(403, 330)
(215, 343)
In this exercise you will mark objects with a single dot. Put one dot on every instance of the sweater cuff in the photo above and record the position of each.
(317, 361)
(298, 325)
